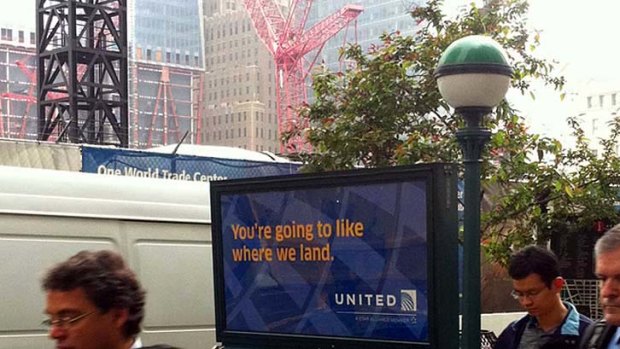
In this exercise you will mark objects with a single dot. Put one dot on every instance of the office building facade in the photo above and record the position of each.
(240, 88)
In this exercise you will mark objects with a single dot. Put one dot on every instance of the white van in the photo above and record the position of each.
(162, 227)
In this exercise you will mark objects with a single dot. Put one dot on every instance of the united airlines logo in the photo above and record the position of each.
(408, 300)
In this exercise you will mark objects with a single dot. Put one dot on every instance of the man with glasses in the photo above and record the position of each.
(549, 323)
(93, 301)
(605, 333)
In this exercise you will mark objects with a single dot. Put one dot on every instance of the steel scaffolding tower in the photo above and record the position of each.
(82, 71)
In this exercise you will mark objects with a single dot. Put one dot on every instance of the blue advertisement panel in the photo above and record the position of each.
(348, 261)
(124, 162)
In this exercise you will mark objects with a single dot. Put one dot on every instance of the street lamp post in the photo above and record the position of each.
(473, 77)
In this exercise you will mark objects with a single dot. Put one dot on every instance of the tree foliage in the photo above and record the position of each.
(386, 110)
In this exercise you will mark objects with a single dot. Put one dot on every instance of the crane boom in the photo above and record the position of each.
(288, 42)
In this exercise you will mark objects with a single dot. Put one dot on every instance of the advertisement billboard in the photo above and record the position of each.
(345, 258)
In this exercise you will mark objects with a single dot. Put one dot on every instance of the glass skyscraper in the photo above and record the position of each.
(166, 43)
(168, 32)
(379, 16)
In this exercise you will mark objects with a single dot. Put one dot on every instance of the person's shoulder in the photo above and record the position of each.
(511, 331)
(515, 324)
(586, 321)
(595, 333)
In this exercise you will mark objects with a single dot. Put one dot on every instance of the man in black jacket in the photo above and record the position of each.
(550, 323)
(605, 333)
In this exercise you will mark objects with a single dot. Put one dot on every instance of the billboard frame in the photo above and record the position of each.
(442, 255)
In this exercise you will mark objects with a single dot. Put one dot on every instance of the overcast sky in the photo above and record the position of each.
(18, 13)
(579, 34)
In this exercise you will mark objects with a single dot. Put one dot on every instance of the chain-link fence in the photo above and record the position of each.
(584, 294)
(177, 167)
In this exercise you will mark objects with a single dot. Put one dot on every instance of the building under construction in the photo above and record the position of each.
(18, 112)
(166, 76)
(240, 86)
(259, 61)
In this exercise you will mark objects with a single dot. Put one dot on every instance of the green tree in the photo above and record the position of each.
(385, 110)
(574, 191)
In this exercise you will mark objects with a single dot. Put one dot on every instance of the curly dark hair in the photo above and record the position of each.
(106, 280)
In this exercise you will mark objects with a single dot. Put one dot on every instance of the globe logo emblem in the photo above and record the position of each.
(408, 300)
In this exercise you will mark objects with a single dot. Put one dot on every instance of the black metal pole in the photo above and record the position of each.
(472, 138)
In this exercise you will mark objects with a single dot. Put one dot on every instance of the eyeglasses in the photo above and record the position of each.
(64, 321)
(522, 295)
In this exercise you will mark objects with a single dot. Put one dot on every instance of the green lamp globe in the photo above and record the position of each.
(473, 72)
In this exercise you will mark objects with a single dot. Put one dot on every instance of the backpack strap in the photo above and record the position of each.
(600, 333)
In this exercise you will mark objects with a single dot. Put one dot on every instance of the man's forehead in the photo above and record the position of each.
(608, 263)
(74, 300)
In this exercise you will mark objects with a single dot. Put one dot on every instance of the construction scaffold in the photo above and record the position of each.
(165, 102)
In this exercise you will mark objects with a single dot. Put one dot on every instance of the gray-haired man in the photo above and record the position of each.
(606, 333)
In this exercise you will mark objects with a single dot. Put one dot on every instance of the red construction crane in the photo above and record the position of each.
(168, 109)
(6, 129)
(288, 42)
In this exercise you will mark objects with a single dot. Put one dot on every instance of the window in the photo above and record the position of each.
(33, 38)
(613, 99)
(594, 125)
(589, 102)
(601, 100)
(20, 36)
